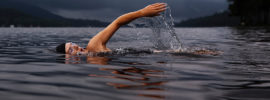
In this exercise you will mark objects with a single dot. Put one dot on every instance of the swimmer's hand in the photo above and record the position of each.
(153, 10)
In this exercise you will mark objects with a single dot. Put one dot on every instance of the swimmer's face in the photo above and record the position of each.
(72, 48)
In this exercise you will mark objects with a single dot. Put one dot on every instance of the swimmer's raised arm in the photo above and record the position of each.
(99, 41)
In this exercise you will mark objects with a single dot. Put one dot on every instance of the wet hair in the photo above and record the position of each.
(61, 48)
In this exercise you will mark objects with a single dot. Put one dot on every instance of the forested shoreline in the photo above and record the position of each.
(239, 13)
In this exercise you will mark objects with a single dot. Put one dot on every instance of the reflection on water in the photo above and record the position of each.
(142, 79)
(76, 59)
(218, 64)
(138, 78)
(252, 34)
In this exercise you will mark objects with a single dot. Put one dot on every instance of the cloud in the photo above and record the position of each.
(109, 9)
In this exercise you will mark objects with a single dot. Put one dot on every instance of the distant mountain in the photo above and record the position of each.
(25, 15)
(216, 20)
(28, 9)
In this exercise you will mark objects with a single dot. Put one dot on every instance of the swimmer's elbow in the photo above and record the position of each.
(119, 21)
(124, 19)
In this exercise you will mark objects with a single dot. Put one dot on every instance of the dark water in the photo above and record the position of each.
(31, 70)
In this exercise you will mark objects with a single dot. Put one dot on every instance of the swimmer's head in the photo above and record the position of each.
(69, 48)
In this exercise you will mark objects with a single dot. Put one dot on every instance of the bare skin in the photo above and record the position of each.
(99, 41)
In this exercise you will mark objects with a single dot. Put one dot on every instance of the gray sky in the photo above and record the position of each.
(107, 10)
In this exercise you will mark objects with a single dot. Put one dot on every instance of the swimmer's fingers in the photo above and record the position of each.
(155, 4)
(153, 10)
(158, 4)
(161, 10)
(160, 7)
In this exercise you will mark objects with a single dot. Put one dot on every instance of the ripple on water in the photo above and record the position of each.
(30, 69)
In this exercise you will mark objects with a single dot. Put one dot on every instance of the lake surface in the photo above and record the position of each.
(31, 70)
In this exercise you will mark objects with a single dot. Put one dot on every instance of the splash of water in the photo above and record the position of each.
(164, 36)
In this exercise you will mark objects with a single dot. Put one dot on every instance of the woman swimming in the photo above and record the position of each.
(98, 42)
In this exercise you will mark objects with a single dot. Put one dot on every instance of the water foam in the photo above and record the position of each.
(163, 32)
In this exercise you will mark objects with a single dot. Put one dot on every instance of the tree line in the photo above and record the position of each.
(239, 13)
(251, 12)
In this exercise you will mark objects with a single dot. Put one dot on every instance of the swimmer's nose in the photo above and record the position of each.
(81, 49)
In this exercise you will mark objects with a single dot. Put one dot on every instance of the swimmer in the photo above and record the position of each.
(98, 43)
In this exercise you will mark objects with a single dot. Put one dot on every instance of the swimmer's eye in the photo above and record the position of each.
(70, 50)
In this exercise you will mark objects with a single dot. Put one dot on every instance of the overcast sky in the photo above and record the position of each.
(110, 9)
